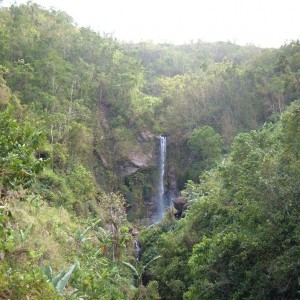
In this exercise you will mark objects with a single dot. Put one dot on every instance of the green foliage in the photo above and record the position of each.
(149, 292)
(81, 183)
(94, 95)
(94, 98)
(18, 144)
(140, 269)
(173, 247)
(81, 236)
(56, 237)
(205, 145)
(137, 190)
(114, 215)
(99, 278)
(5, 92)
(54, 188)
(6, 238)
(240, 236)
(61, 279)
(80, 143)
(25, 283)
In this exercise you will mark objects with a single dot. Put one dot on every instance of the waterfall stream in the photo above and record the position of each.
(160, 194)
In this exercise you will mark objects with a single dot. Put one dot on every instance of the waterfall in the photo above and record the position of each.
(137, 247)
(160, 195)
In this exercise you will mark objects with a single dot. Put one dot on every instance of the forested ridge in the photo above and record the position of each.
(80, 118)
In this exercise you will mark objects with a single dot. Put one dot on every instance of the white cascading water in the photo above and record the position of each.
(162, 160)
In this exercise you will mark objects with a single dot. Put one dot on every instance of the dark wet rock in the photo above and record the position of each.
(179, 203)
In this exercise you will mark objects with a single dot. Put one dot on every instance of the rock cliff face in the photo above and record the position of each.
(132, 154)
(179, 203)
(129, 161)
(142, 155)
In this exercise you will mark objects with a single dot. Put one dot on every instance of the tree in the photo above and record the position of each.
(5, 92)
(249, 237)
(114, 214)
(205, 145)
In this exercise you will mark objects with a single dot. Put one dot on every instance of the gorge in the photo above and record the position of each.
(97, 136)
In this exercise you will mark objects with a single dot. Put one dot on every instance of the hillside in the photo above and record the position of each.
(81, 116)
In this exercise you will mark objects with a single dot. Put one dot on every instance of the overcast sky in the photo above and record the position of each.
(265, 23)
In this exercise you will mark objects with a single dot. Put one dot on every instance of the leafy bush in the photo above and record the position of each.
(61, 279)
(25, 283)
(18, 143)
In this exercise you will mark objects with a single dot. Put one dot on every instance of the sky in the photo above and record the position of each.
(264, 23)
